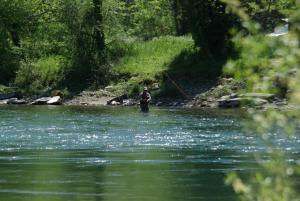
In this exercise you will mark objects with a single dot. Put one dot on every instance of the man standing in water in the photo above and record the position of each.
(145, 99)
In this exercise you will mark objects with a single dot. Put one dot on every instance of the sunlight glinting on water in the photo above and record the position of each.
(88, 131)
(106, 133)
(85, 153)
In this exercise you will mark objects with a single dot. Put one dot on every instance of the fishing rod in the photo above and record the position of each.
(176, 85)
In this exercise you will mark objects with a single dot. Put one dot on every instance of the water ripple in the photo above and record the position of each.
(78, 129)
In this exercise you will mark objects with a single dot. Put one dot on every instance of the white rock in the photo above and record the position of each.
(56, 100)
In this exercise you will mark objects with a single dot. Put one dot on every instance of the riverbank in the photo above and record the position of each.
(176, 73)
(225, 93)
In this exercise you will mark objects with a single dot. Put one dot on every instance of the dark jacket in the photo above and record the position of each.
(145, 97)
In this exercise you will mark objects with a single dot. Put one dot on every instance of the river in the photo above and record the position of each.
(120, 154)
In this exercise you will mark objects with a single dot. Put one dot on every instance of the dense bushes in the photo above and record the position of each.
(86, 35)
(14, 21)
(90, 35)
(213, 26)
(9, 63)
(151, 19)
(270, 65)
(210, 25)
(45, 73)
(268, 13)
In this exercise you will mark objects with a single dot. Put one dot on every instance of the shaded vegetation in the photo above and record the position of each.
(76, 44)
(210, 26)
(145, 62)
(192, 65)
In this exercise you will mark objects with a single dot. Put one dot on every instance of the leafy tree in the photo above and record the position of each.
(180, 18)
(210, 25)
(268, 12)
(29, 31)
(267, 65)
(68, 34)
(14, 17)
(115, 23)
(87, 31)
(151, 18)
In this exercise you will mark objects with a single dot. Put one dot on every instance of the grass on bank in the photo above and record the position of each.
(40, 75)
(147, 59)
(148, 62)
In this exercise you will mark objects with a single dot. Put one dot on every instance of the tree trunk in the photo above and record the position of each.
(179, 18)
(15, 36)
(99, 35)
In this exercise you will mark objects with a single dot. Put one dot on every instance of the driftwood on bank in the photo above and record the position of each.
(40, 101)
(15, 101)
(56, 100)
(117, 100)
(234, 101)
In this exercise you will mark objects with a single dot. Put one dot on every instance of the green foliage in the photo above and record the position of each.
(144, 62)
(12, 26)
(268, 65)
(114, 15)
(147, 62)
(152, 57)
(268, 12)
(91, 35)
(180, 18)
(5, 89)
(274, 183)
(75, 31)
(8, 64)
(42, 74)
(210, 26)
(213, 26)
(149, 19)
(36, 30)
(89, 52)
(262, 60)
(135, 89)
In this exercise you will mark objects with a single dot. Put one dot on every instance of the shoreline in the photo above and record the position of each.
(225, 102)
(194, 103)
(224, 94)
(173, 104)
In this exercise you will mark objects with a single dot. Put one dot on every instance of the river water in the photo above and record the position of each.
(119, 154)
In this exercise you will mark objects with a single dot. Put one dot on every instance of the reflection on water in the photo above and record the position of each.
(119, 154)
(104, 175)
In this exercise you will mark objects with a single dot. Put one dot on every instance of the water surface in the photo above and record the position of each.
(120, 154)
